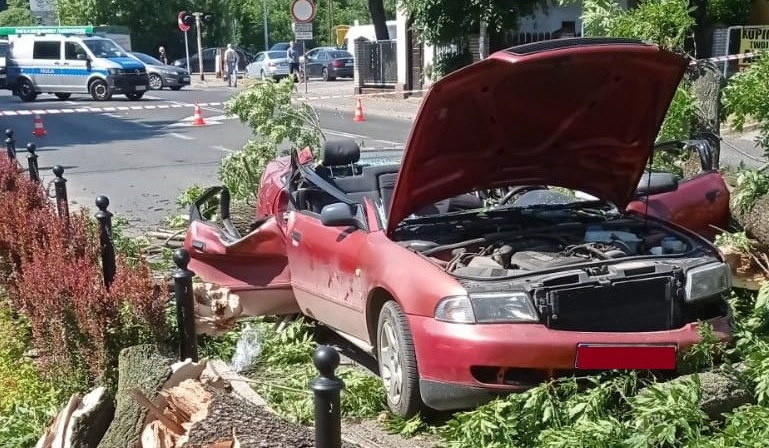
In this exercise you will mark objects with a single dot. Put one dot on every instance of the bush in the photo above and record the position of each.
(53, 278)
(745, 99)
(449, 61)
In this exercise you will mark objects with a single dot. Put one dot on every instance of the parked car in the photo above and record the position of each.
(209, 60)
(162, 75)
(328, 63)
(470, 268)
(269, 64)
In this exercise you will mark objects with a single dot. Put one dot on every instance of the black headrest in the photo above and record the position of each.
(340, 152)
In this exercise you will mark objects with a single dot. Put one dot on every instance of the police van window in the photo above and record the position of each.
(103, 48)
(46, 50)
(72, 49)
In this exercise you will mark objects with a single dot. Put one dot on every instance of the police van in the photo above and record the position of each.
(67, 63)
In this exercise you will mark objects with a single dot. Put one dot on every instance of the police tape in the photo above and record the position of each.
(728, 57)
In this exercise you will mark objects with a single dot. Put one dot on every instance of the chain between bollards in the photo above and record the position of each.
(10, 144)
(34, 174)
(105, 239)
(60, 188)
(185, 306)
(327, 388)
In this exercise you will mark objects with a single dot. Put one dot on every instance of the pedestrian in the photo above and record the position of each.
(162, 55)
(231, 58)
(293, 57)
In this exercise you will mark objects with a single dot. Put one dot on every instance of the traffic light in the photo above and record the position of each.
(208, 18)
(188, 19)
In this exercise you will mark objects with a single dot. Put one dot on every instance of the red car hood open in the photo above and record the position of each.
(577, 113)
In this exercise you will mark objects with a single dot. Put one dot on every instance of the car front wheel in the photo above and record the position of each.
(26, 90)
(99, 90)
(397, 361)
(156, 83)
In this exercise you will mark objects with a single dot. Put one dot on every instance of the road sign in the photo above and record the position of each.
(302, 31)
(303, 11)
(180, 20)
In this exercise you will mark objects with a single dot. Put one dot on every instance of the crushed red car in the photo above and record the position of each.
(520, 238)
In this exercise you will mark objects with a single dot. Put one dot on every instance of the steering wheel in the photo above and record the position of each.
(517, 191)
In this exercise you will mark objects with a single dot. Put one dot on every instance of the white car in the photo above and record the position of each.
(269, 64)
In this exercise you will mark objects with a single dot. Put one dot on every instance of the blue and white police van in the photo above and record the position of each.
(69, 60)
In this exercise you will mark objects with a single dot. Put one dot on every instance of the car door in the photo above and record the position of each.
(254, 266)
(75, 67)
(326, 271)
(700, 203)
(311, 61)
(258, 67)
(48, 64)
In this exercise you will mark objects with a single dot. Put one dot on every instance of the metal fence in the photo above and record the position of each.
(376, 63)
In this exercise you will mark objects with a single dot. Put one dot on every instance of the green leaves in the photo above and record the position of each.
(751, 185)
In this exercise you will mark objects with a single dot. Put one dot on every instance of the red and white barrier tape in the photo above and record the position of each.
(730, 57)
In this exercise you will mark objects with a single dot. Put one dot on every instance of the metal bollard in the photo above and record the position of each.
(328, 413)
(60, 188)
(34, 174)
(10, 144)
(105, 239)
(185, 306)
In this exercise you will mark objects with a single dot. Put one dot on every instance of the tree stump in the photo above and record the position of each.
(141, 367)
(756, 220)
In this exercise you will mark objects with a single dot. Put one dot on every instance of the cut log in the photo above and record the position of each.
(55, 434)
(90, 420)
(217, 309)
(755, 221)
(141, 367)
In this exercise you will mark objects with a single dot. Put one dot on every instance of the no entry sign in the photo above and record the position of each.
(303, 11)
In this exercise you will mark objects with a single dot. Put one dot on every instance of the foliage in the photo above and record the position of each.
(751, 185)
(53, 278)
(27, 402)
(17, 14)
(706, 353)
(744, 99)
(406, 427)
(736, 240)
(446, 62)
(441, 22)
(666, 23)
(741, 430)
(728, 12)
(275, 121)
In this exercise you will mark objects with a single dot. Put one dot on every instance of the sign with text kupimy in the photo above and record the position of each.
(753, 39)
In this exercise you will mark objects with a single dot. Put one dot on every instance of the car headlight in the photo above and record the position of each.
(707, 281)
(455, 309)
(495, 307)
(114, 71)
(490, 307)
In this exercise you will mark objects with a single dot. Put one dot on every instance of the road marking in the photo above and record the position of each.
(92, 109)
(222, 148)
(359, 136)
(181, 136)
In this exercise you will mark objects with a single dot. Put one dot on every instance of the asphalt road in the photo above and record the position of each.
(142, 159)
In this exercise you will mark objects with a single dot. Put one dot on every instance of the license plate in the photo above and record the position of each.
(348, 64)
(141, 88)
(625, 356)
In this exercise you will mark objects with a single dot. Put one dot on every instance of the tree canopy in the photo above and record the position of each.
(17, 14)
(440, 21)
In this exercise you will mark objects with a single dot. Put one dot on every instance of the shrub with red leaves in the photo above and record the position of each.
(53, 276)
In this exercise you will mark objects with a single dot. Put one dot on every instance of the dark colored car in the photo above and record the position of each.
(209, 60)
(163, 75)
(328, 63)
(519, 239)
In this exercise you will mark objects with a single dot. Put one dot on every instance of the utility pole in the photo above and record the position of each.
(200, 44)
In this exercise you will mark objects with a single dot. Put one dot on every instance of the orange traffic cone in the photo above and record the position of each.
(197, 116)
(39, 130)
(359, 112)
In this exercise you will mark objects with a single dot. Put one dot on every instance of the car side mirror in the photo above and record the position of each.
(656, 183)
(82, 57)
(340, 214)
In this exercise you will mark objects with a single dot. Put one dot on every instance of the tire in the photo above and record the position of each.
(176, 87)
(99, 90)
(26, 90)
(63, 96)
(156, 82)
(324, 74)
(397, 362)
(134, 95)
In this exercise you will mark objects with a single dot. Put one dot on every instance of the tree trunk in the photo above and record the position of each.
(756, 220)
(376, 7)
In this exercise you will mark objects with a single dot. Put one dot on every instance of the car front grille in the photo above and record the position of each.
(627, 306)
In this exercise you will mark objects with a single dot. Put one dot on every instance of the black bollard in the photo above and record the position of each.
(105, 238)
(10, 144)
(328, 413)
(34, 175)
(60, 188)
(185, 307)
